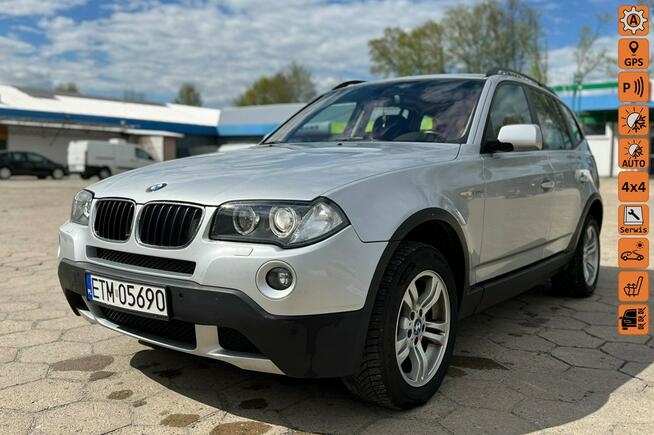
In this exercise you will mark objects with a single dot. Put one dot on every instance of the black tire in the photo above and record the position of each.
(378, 379)
(104, 173)
(571, 281)
(57, 174)
(5, 173)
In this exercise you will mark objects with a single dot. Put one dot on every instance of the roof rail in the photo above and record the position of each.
(510, 72)
(347, 83)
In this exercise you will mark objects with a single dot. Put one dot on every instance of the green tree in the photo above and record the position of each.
(293, 84)
(69, 88)
(496, 34)
(134, 96)
(188, 95)
(401, 53)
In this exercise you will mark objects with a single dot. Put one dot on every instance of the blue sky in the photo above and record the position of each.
(151, 46)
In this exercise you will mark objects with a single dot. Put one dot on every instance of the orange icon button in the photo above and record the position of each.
(633, 53)
(633, 86)
(633, 286)
(633, 186)
(633, 219)
(633, 20)
(633, 319)
(633, 120)
(633, 253)
(633, 153)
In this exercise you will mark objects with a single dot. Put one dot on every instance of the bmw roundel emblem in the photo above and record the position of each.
(156, 187)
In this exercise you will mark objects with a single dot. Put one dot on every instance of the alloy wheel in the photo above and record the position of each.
(590, 255)
(423, 328)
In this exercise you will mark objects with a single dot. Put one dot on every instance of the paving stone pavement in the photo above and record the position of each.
(535, 363)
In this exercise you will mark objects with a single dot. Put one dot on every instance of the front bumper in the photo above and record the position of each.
(320, 345)
(332, 276)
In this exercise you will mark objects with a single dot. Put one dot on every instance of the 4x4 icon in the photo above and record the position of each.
(353, 239)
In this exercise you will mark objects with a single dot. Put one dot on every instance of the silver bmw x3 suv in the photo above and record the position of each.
(350, 241)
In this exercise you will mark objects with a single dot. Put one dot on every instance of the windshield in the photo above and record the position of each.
(410, 111)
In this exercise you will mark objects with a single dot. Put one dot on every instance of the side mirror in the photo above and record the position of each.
(523, 137)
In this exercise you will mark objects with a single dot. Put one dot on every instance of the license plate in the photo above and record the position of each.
(141, 298)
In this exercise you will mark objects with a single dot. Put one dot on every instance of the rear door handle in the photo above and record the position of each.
(547, 185)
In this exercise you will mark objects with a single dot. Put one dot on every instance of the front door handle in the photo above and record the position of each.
(547, 185)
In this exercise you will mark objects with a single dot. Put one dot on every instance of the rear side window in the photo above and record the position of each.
(550, 119)
(509, 107)
(573, 127)
(18, 157)
(35, 158)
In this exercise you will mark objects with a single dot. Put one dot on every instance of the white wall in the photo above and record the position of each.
(601, 146)
(154, 145)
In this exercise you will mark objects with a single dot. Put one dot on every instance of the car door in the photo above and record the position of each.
(518, 190)
(38, 165)
(20, 164)
(562, 148)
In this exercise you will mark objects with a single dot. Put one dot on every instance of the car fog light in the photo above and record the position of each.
(279, 278)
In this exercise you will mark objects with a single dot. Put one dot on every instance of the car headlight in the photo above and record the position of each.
(284, 223)
(81, 207)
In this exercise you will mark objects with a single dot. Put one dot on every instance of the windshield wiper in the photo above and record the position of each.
(352, 139)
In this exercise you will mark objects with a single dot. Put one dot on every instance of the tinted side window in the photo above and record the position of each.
(509, 107)
(573, 127)
(35, 158)
(552, 124)
(18, 157)
(141, 154)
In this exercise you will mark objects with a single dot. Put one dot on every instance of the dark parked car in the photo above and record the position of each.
(26, 163)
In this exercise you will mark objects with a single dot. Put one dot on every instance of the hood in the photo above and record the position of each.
(269, 172)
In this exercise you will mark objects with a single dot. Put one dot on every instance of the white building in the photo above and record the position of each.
(45, 122)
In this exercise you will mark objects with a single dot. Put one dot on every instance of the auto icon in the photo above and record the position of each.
(629, 319)
(631, 255)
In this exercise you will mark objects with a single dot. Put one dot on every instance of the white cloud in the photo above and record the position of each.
(18, 8)
(562, 63)
(222, 45)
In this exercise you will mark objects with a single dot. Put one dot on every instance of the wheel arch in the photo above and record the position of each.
(592, 208)
(438, 228)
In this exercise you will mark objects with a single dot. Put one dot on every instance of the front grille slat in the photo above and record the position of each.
(172, 329)
(145, 261)
(169, 225)
(120, 214)
(171, 233)
(113, 219)
(180, 230)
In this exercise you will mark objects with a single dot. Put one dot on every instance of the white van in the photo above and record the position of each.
(104, 159)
